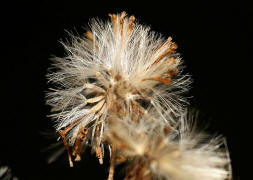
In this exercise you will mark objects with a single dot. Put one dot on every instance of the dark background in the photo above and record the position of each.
(213, 39)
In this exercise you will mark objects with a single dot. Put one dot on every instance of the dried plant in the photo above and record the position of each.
(123, 79)
(156, 151)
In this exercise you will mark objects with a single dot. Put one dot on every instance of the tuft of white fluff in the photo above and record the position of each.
(121, 85)
(159, 152)
(118, 68)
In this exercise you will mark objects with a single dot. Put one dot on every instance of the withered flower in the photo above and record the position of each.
(121, 85)
(118, 68)
(157, 151)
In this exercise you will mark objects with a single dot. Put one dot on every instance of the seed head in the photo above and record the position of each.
(118, 69)
(160, 152)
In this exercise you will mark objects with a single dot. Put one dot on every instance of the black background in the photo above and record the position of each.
(213, 39)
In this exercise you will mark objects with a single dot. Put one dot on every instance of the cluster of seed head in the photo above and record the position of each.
(120, 86)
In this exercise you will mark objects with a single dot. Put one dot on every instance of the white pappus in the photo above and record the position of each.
(118, 68)
(121, 85)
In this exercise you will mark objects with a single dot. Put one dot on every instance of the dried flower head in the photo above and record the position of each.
(160, 152)
(119, 68)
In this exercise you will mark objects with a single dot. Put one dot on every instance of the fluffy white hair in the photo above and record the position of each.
(159, 152)
(125, 79)
(119, 67)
